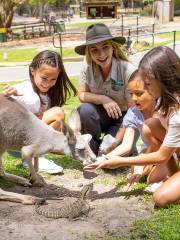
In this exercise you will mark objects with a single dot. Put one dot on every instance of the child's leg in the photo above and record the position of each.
(154, 134)
(168, 192)
(163, 171)
(53, 117)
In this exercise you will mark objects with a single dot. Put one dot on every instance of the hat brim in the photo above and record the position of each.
(81, 48)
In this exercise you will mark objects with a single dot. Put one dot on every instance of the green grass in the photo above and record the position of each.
(24, 55)
(18, 55)
(73, 102)
(82, 25)
(13, 165)
(169, 35)
(11, 83)
(27, 54)
(164, 224)
(166, 38)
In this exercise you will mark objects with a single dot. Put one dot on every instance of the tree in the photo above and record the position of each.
(41, 4)
(7, 8)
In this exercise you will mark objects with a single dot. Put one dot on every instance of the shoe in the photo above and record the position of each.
(25, 164)
(47, 166)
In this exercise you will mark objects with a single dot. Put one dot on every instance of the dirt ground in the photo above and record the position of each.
(111, 213)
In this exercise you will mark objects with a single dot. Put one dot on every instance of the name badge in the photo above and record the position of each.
(117, 85)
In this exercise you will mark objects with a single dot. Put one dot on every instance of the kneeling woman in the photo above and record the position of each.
(103, 82)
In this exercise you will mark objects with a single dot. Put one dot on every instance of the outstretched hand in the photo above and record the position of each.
(9, 90)
(108, 162)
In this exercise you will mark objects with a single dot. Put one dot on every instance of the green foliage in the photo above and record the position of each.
(177, 2)
(37, 2)
(147, 10)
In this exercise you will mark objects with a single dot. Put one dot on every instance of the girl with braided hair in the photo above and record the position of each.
(46, 92)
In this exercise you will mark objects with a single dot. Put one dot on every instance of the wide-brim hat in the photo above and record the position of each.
(97, 33)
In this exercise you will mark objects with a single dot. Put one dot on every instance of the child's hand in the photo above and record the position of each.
(95, 166)
(109, 162)
(10, 91)
(133, 178)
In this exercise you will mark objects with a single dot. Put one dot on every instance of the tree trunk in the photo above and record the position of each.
(7, 8)
(41, 9)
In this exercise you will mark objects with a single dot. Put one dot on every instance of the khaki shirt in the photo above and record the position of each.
(115, 86)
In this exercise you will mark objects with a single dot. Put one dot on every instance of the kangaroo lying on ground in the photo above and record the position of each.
(21, 130)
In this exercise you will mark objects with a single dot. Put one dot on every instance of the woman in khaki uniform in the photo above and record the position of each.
(103, 82)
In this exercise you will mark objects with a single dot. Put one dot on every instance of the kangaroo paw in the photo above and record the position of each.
(38, 182)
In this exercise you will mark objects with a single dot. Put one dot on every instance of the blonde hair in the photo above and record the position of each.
(118, 51)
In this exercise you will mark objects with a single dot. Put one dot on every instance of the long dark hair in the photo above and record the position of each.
(163, 65)
(61, 91)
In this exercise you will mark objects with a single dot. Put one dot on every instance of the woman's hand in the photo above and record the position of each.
(112, 108)
(10, 91)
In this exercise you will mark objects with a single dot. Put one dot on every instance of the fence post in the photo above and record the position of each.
(153, 27)
(137, 27)
(122, 24)
(129, 32)
(60, 41)
(174, 40)
(45, 27)
(153, 39)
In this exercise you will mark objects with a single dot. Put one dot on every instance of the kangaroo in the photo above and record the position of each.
(21, 130)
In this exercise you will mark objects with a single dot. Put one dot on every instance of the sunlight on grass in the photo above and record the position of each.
(18, 55)
(27, 54)
(159, 40)
(82, 25)
(164, 224)
(107, 237)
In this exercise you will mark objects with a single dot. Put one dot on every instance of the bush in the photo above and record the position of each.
(146, 11)
(177, 4)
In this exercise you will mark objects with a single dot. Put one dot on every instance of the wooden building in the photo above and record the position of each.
(101, 8)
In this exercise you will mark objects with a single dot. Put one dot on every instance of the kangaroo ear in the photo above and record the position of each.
(64, 127)
(74, 121)
(68, 132)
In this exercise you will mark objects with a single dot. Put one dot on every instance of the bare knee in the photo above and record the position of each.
(153, 127)
(58, 114)
(159, 198)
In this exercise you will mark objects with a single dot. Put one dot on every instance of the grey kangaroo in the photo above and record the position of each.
(21, 130)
